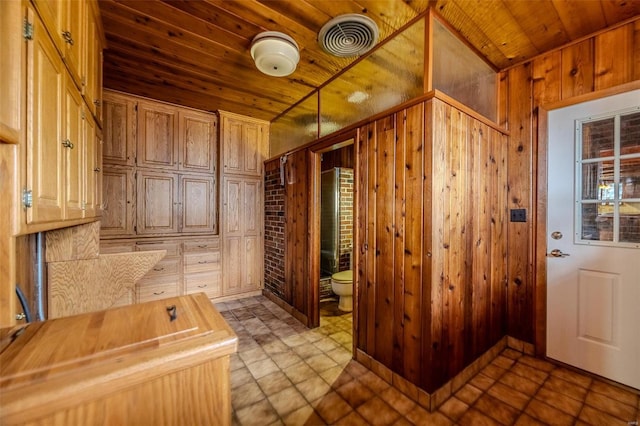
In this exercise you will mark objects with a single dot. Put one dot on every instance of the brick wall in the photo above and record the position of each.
(273, 230)
(346, 217)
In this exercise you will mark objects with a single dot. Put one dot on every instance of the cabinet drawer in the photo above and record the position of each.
(165, 267)
(201, 245)
(107, 247)
(173, 249)
(200, 262)
(147, 293)
(207, 282)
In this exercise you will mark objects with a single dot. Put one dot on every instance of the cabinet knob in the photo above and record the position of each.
(66, 35)
(97, 169)
(67, 144)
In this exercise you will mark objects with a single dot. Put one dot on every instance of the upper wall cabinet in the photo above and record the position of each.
(197, 141)
(119, 129)
(11, 83)
(244, 144)
(157, 145)
(59, 160)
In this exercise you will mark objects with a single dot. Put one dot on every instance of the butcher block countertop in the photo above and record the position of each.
(162, 362)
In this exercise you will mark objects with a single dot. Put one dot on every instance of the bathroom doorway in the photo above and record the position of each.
(334, 216)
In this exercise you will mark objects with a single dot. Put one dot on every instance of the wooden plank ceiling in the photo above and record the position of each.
(197, 52)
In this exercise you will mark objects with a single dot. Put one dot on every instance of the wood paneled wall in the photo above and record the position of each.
(599, 63)
(432, 235)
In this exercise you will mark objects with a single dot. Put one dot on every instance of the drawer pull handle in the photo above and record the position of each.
(203, 246)
(203, 262)
(202, 286)
(158, 293)
(171, 310)
(158, 269)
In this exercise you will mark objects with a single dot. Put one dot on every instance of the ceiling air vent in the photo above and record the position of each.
(348, 35)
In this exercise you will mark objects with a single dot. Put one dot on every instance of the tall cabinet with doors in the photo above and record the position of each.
(244, 149)
(161, 184)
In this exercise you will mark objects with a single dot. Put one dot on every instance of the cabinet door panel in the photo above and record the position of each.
(74, 24)
(233, 148)
(252, 260)
(232, 206)
(233, 265)
(119, 130)
(73, 152)
(198, 203)
(197, 141)
(53, 14)
(117, 206)
(157, 136)
(157, 203)
(251, 207)
(253, 155)
(45, 81)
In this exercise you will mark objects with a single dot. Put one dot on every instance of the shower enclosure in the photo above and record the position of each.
(329, 222)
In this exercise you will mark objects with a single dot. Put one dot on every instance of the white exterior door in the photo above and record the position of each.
(593, 217)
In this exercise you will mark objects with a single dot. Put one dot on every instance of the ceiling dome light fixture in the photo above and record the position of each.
(275, 54)
(348, 35)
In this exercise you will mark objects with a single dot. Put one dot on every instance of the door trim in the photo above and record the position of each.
(539, 215)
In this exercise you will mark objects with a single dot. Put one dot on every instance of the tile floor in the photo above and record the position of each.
(287, 374)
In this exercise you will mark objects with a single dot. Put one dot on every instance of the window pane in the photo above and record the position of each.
(630, 178)
(296, 127)
(630, 222)
(597, 138)
(597, 181)
(630, 134)
(597, 222)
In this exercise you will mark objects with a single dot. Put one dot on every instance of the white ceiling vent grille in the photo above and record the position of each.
(348, 35)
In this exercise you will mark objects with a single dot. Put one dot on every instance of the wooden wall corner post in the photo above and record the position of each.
(8, 296)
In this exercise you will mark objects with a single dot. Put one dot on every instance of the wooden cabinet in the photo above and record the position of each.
(244, 144)
(202, 267)
(173, 153)
(242, 208)
(93, 80)
(118, 186)
(197, 141)
(119, 127)
(165, 278)
(60, 156)
(131, 365)
(157, 136)
(174, 203)
(44, 150)
(11, 70)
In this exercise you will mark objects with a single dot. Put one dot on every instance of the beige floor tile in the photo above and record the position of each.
(453, 408)
(326, 344)
(468, 394)
(377, 412)
(336, 376)
(275, 347)
(286, 359)
(294, 340)
(399, 401)
(304, 415)
(562, 402)
(355, 393)
(240, 377)
(313, 388)
(496, 409)
(563, 387)
(274, 383)
(508, 395)
(320, 363)
(259, 414)
(305, 351)
(375, 383)
(529, 372)
(474, 417)
(246, 394)
(538, 364)
(547, 414)
(287, 400)
(420, 416)
(482, 382)
(299, 372)
(356, 369)
(616, 393)
(610, 406)
(340, 356)
(352, 419)
(253, 355)
(235, 362)
(503, 362)
(262, 368)
(331, 407)
(519, 383)
(573, 377)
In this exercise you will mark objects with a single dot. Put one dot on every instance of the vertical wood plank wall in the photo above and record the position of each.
(433, 241)
(601, 62)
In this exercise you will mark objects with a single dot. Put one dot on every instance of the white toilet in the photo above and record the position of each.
(342, 285)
